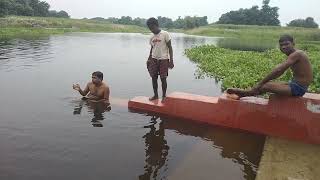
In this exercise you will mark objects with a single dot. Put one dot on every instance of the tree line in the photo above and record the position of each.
(187, 22)
(29, 8)
(264, 16)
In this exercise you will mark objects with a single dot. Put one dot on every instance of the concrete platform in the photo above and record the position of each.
(287, 117)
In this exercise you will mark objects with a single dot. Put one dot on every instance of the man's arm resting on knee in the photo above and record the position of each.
(279, 70)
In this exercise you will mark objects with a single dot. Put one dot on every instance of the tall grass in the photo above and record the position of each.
(258, 32)
(255, 38)
(19, 26)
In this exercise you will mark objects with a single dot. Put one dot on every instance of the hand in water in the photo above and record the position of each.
(76, 87)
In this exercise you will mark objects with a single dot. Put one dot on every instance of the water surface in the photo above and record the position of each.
(48, 132)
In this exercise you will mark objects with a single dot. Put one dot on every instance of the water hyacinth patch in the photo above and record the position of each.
(243, 69)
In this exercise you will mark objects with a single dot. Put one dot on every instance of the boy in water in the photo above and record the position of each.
(297, 61)
(98, 90)
(160, 57)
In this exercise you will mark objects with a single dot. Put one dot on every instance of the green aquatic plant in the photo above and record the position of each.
(243, 69)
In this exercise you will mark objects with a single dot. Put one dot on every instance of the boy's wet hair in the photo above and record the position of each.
(98, 74)
(286, 37)
(152, 21)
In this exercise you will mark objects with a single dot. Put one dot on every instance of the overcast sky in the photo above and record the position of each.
(289, 9)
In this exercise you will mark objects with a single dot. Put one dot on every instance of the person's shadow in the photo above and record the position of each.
(96, 108)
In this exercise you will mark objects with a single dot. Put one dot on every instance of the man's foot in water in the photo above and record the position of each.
(153, 98)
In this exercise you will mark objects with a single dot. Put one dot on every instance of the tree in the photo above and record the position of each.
(165, 22)
(28, 8)
(269, 15)
(139, 22)
(307, 23)
(61, 14)
(4, 8)
(254, 16)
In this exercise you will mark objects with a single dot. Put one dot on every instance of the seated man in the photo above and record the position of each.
(297, 61)
(98, 90)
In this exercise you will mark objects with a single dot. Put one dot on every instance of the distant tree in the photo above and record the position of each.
(98, 19)
(60, 14)
(307, 23)
(179, 23)
(269, 15)
(4, 8)
(40, 8)
(165, 22)
(187, 22)
(63, 14)
(28, 8)
(125, 20)
(139, 22)
(254, 16)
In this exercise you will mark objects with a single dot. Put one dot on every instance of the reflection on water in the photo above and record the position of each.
(156, 149)
(97, 109)
(241, 148)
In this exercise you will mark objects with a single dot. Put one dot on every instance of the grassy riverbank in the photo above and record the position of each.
(255, 38)
(24, 27)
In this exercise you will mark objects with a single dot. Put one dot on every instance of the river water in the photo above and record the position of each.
(48, 132)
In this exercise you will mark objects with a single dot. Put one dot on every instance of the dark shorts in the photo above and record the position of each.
(297, 89)
(158, 67)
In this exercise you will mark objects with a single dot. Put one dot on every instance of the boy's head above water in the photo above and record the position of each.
(286, 43)
(97, 77)
(153, 25)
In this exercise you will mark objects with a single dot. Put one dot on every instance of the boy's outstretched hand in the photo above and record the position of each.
(76, 87)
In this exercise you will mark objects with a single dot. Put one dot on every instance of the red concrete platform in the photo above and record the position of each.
(286, 117)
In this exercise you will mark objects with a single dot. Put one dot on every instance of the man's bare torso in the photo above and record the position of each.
(302, 70)
(97, 92)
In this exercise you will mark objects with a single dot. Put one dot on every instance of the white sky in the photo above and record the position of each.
(289, 9)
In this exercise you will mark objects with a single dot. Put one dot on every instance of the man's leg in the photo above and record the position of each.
(155, 88)
(164, 87)
(279, 88)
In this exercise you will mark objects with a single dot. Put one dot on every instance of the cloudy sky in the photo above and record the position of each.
(289, 9)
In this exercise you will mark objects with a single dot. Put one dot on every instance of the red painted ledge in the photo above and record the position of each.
(287, 117)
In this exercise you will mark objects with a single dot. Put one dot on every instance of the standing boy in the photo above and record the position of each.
(160, 57)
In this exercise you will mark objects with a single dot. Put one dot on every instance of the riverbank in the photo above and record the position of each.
(256, 32)
(28, 27)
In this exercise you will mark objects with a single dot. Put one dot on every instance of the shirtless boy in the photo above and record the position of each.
(301, 68)
(96, 90)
